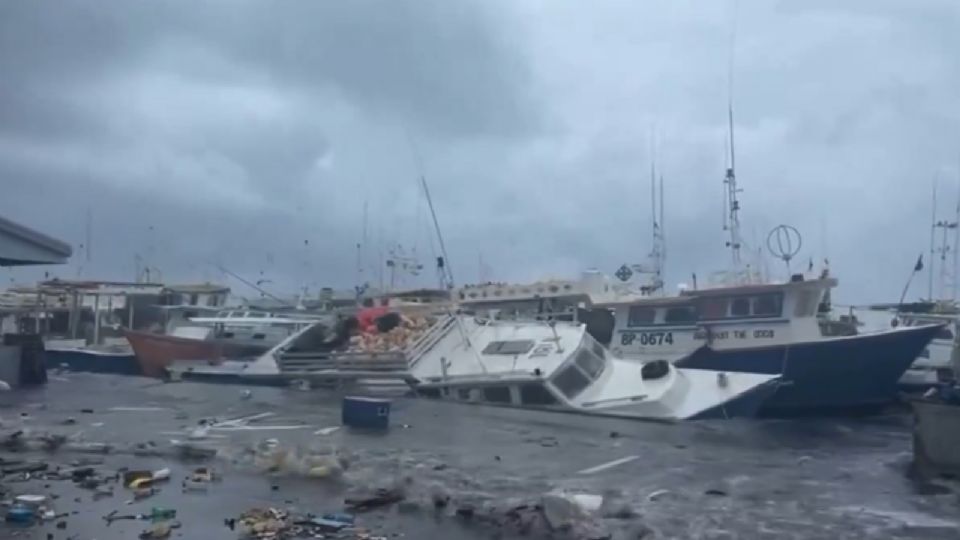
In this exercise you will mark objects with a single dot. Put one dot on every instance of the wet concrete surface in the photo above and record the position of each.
(805, 478)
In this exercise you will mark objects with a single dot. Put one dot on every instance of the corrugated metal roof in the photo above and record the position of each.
(20, 245)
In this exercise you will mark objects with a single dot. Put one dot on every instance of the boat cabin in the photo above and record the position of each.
(725, 317)
(524, 364)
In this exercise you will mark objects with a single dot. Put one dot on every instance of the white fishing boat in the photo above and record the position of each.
(559, 366)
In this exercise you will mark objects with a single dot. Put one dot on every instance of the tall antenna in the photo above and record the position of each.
(732, 214)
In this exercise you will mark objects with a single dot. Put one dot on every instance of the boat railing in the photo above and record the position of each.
(344, 365)
(429, 339)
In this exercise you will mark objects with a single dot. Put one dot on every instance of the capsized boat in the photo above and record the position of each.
(559, 366)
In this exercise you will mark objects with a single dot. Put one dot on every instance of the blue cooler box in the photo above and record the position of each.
(365, 412)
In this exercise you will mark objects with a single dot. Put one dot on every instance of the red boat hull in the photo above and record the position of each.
(155, 352)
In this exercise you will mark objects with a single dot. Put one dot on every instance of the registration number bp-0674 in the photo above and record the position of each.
(646, 338)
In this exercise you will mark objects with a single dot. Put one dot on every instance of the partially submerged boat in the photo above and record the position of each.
(559, 366)
(768, 328)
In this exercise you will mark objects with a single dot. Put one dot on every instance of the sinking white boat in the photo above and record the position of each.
(559, 366)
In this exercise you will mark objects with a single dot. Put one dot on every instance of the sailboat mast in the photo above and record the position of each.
(933, 232)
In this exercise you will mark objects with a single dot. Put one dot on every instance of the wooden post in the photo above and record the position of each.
(130, 311)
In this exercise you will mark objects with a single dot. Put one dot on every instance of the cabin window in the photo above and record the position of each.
(193, 299)
(497, 394)
(598, 350)
(590, 364)
(510, 347)
(640, 316)
(807, 302)
(536, 394)
(944, 333)
(768, 305)
(571, 381)
(685, 314)
(212, 300)
(713, 308)
(463, 393)
(740, 307)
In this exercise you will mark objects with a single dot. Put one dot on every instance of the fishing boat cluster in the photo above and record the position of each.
(594, 345)
(742, 345)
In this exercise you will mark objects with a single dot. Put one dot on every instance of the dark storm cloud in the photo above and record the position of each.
(433, 63)
(238, 130)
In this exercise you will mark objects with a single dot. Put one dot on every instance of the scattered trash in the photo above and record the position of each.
(188, 450)
(20, 513)
(157, 531)
(144, 493)
(69, 421)
(33, 501)
(658, 494)
(246, 394)
(381, 497)
(614, 434)
(277, 524)
(327, 430)
(86, 411)
(715, 492)
(562, 509)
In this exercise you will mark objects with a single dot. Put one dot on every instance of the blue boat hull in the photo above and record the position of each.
(93, 362)
(851, 374)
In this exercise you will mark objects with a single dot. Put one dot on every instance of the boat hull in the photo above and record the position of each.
(746, 405)
(155, 352)
(850, 374)
(93, 361)
(936, 437)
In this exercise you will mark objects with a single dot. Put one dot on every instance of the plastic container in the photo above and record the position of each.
(20, 513)
(365, 412)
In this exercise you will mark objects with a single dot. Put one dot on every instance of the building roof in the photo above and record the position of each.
(198, 288)
(20, 245)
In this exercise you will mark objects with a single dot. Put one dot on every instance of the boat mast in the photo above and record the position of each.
(956, 242)
(933, 235)
(732, 217)
(656, 215)
(948, 245)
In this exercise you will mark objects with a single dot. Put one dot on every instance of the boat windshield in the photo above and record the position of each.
(585, 368)
(590, 364)
(571, 381)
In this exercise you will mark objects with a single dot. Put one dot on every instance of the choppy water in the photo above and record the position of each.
(737, 479)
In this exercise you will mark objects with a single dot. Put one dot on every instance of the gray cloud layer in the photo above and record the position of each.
(253, 135)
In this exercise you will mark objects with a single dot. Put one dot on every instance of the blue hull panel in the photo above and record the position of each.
(848, 374)
(79, 360)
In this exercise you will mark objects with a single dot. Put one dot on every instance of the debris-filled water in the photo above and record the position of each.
(95, 456)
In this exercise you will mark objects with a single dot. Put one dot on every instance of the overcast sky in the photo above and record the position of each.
(253, 134)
